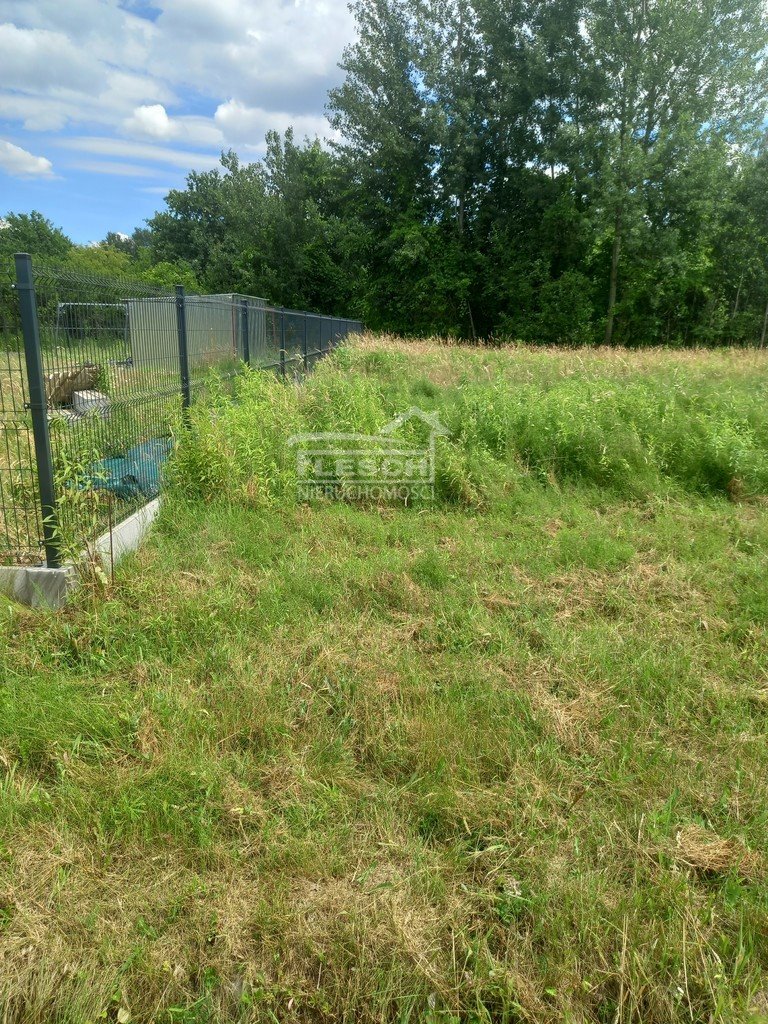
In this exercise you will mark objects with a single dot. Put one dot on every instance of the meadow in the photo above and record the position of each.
(496, 757)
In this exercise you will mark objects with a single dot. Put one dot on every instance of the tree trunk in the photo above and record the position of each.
(472, 324)
(459, 67)
(738, 296)
(765, 327)
(615, 253)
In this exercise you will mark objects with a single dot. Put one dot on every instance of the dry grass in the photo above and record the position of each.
(701, 850)
(444, 367)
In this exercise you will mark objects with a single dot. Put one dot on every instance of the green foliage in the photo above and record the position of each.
(270, 229)
(240, 448)
(100, 259)
(566, 310)
(32, 233)
(168, 275)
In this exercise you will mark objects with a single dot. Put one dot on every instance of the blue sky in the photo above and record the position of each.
(107, 104)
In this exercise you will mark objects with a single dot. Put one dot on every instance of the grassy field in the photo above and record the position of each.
(501, 757)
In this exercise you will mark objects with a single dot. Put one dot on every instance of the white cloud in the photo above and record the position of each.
(195, 75)
(35, 115)
(35, 58)
(118, 167)
(20, 164)
(56, 108)
(103, 146)
(243, 125)
(152, 121)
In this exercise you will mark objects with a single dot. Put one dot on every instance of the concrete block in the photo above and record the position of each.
(90, 402)
(128, 535)
(40, 587)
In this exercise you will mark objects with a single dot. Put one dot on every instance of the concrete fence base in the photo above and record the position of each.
(50, 588)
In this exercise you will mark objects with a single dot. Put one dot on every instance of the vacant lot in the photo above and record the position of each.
(497, 758)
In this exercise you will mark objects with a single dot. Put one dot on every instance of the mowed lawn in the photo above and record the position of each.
(501, 757)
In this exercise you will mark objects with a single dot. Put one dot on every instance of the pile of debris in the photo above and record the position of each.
(74, 393)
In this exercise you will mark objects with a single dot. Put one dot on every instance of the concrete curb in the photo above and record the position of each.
(40, 587)
(37, 587)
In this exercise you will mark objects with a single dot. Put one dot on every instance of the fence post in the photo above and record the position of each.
(181, 327)
(245, 335)
(282, 341)
(306, 353)
(38, 406)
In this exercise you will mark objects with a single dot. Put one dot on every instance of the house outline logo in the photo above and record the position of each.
(377, 466)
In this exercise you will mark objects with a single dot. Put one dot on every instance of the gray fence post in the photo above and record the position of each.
(181, 326)
(38, 406)
(282, 341)
(306, 352)
(245, 335)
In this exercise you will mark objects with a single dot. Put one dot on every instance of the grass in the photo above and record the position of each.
(497, 758)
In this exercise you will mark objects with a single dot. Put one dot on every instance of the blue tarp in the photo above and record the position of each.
(137, 473)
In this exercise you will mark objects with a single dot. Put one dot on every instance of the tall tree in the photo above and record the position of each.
(659, 69)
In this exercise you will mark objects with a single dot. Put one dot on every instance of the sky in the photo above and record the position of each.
(105, 105)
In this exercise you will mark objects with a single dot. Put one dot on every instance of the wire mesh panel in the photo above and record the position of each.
(111, 375)
(252, 346)
(326, 334)
(272, 340)
(20, 520)
(344, 328)
(294, 342)
(314, 339)
(214, 340)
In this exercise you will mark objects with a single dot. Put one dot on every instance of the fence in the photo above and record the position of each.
(94, 376)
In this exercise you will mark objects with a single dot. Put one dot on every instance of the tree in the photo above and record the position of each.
(271, 228)
(35, 234)
(121, 242)
(450, 115)
(667, 76)
(103, 260)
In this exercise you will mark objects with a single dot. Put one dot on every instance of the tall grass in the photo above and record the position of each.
(635, 432)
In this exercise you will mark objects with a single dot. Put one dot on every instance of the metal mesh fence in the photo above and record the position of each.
(117, 361)
(111, 378)
(20, 519)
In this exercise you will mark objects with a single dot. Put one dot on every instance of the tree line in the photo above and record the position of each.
(556, 171)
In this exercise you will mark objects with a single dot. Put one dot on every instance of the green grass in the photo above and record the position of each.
(500, 758)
